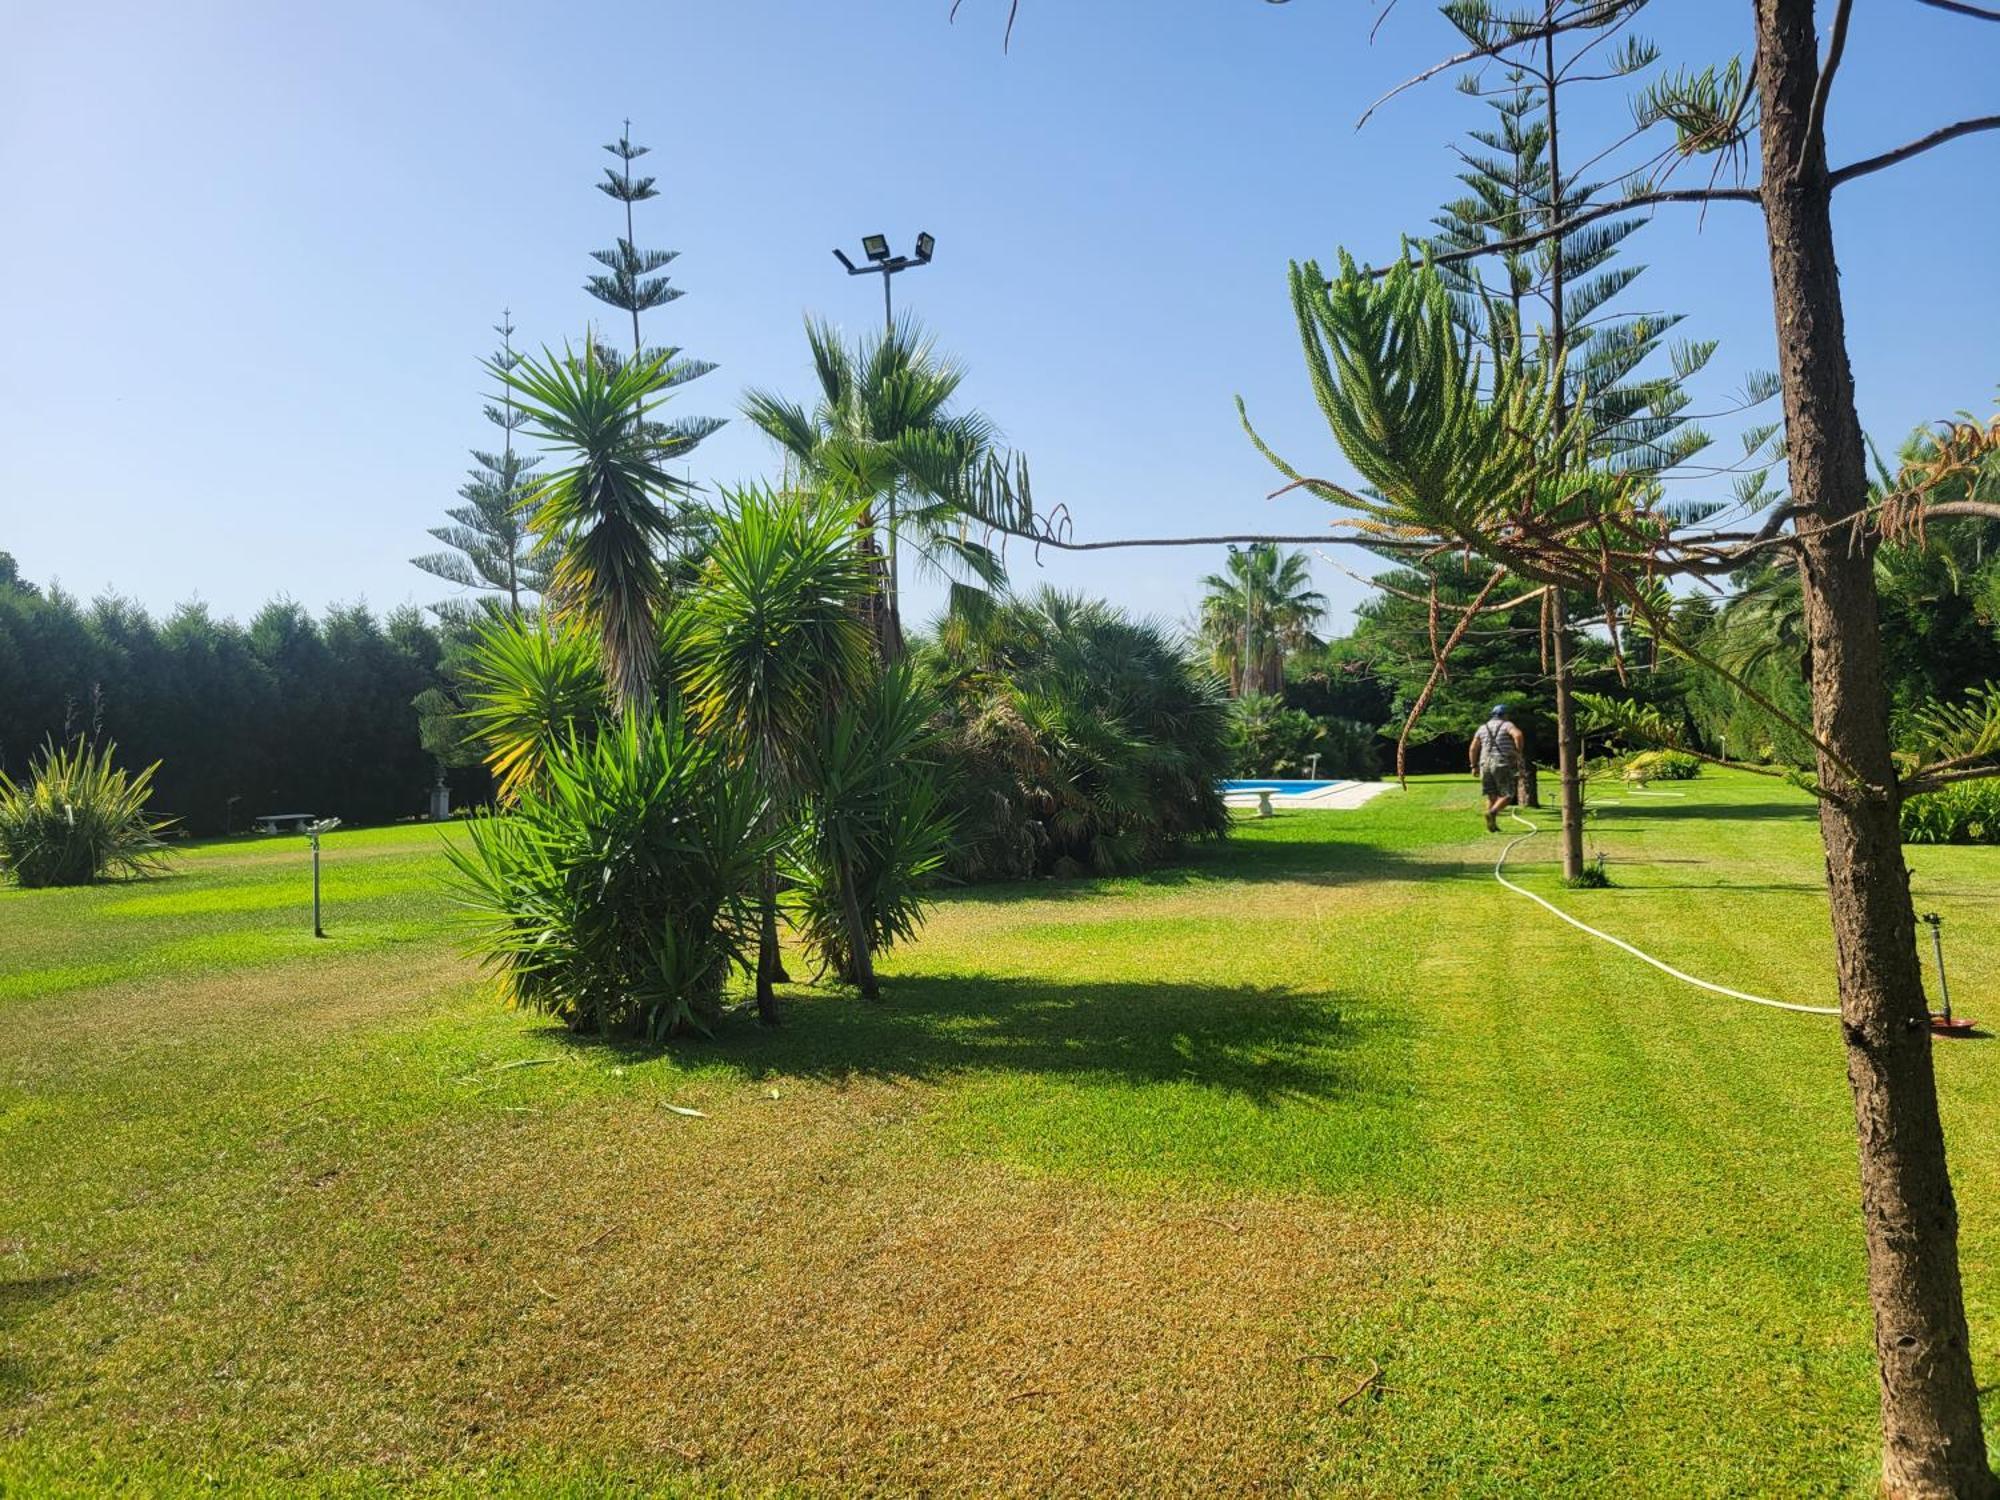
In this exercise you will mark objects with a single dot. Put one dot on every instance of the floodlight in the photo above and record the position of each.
(925, 245)
(875, 246)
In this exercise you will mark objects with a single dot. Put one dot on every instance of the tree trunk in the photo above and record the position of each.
(1932, 1444)
(860, 960)
(1567, 748)
(770, 969)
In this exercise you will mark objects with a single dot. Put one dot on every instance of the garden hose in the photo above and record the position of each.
(1499, 874)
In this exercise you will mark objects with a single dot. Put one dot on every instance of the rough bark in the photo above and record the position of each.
(770, 968)
(1932, 1444)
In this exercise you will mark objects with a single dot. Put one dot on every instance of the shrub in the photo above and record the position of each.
(621, 887)
(1269, 739)
(1663, 765)
(1966, 812)
(78, 819)
(1075, 739)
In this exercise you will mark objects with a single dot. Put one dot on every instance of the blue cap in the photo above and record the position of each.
(1499, 710)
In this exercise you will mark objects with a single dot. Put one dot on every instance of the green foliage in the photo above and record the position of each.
(1662, 765)
(78, 819)
(1259, 608)
(1076, 739)
(487, 540)
(1963, 812)
(618, 891)
(632, 282)
(1269, 739)
(774, 632)
(874, 829)
(530, 687)
(883, 435)
(1592, 877)
(288, 712)
(606, 516)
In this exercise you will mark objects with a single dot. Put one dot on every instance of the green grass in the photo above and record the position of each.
(1122, 1188)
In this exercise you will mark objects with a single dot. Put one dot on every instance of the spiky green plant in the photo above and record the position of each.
(608, 514)
(530, 687)
(874, 829)
(78, 819)
(774, 644)
(884, 436)
(620, 889)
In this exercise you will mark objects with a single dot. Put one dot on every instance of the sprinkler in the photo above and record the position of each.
(1945, 1023)
(312, 832)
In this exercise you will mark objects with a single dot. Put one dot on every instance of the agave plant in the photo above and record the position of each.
(78, 819)
(621, 888)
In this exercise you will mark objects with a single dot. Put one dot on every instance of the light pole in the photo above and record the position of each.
(875, 247)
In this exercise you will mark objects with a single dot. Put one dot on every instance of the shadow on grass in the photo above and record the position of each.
(1264, 1043)
(1318, 862)
(18, 1298)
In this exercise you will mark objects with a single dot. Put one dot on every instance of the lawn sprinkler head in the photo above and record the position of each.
(1943, 1023)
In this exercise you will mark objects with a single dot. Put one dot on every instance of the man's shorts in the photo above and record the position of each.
(1499, 781)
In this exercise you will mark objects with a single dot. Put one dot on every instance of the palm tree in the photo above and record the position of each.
(775, 643)
(607, 516)
(1260, 607)
(882, 436)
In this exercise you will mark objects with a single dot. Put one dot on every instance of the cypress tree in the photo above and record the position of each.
(634, 281)
(488, 542)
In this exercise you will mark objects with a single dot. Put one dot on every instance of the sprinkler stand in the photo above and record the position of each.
(1944, 1023)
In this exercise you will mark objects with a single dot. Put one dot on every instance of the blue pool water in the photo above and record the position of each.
(1276, 786)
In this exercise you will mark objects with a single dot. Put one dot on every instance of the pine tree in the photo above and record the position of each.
(488, 537)
(633, 281)
(1552, 296)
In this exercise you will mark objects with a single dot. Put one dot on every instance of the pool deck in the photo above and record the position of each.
(1337, 797)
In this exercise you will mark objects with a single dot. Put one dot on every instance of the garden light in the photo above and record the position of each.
(926, 243)
(875, 246)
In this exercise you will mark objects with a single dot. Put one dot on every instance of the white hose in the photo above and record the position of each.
(1664, 968)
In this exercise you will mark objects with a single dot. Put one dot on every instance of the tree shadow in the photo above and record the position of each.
(1317, 862)
(1265, 1043)
(1786, 811)
(18, 1298)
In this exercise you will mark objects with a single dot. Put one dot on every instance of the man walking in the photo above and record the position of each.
(1495, 753)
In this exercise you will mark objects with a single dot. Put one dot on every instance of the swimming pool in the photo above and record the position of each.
(1278, 786)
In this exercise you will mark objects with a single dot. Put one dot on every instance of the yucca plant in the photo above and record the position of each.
(531, 685)
(621, 888)
(774, 641)
(606, 516)
(873, 829)
(78, 819)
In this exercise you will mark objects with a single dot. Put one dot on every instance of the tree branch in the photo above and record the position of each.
(1959, 7)
(1816, 117)
(1590, 216)
(1915, 148)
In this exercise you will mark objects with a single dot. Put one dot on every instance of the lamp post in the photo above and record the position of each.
(875, 249)
(312, 831)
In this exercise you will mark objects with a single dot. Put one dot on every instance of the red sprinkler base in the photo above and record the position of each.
(1951, 1025)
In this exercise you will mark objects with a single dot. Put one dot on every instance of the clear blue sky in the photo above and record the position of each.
(253, 250)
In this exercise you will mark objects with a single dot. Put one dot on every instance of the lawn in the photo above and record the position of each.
(1127, 1185)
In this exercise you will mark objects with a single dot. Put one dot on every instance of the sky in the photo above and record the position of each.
(254, 251)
